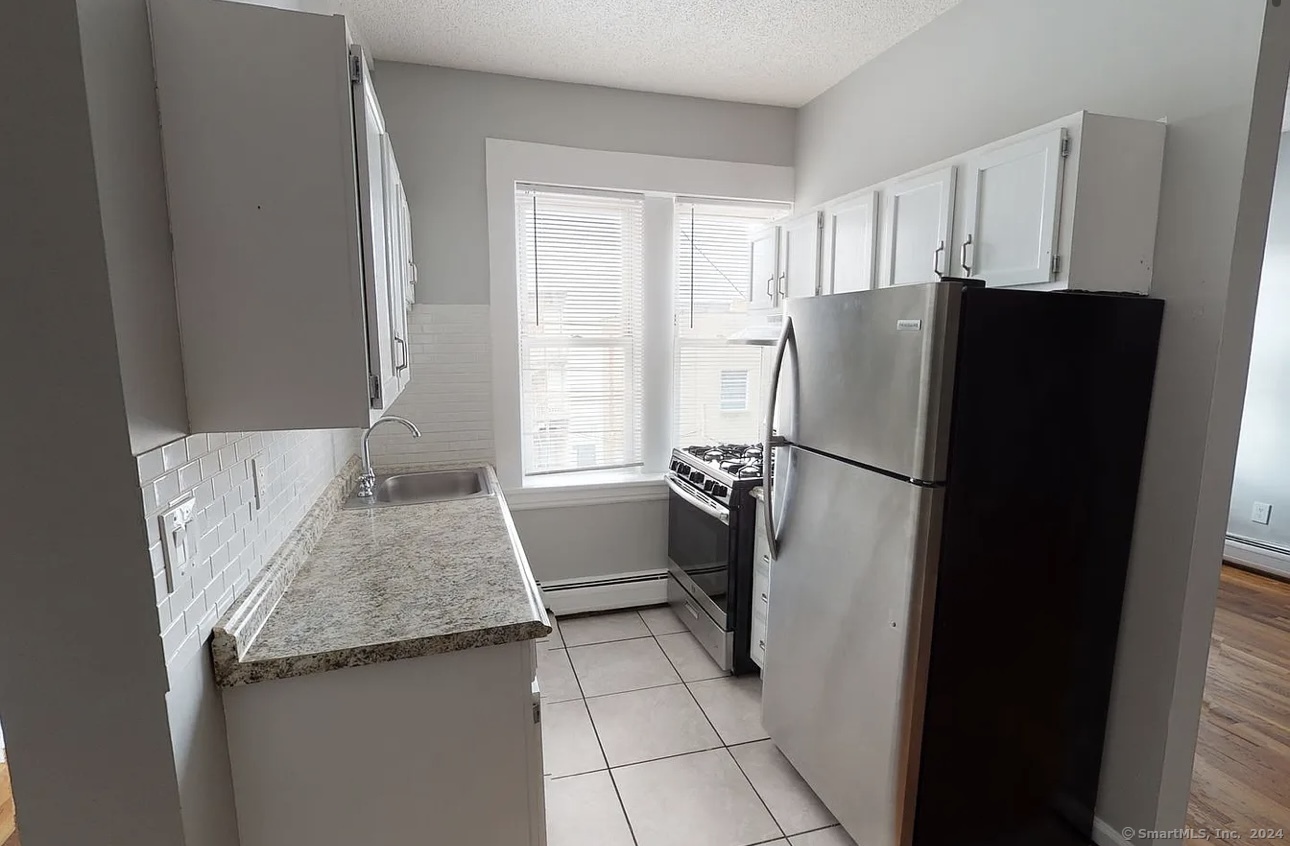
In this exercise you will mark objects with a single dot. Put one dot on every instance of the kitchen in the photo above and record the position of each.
(610, 554)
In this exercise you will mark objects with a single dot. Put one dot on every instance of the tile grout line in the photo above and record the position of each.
(622, 806)
(725, 746)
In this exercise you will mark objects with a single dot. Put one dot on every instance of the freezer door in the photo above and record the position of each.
(846, 642)
(867, 376)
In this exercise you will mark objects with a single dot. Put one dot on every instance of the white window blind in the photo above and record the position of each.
(734, 390)
(711, 304)
(580, 269)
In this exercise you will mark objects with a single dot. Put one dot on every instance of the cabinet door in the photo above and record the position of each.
(764, 274)
(919, 224)
(372, 183)
(1013, 195)
(407, 290)
(852, 237)
(799, 257)
(396, 265)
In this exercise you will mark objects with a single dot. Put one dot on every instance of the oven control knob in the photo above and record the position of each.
(709, 485)
(720, 490)
(674, 466)
(696, 476)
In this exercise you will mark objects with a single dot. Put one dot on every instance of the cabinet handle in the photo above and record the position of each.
(765, 599)
(761, 644)
(766, 558)
(967, 268)
(403, 347)
(770, 292)
(783, 284)
(936, 261)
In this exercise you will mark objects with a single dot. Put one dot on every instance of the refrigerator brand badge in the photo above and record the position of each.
(909, 325)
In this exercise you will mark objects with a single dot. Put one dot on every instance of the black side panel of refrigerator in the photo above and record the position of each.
(1048, 425)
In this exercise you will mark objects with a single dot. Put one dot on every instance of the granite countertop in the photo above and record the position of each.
(382, 584)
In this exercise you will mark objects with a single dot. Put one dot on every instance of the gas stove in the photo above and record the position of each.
(711, 519)
(719, 468)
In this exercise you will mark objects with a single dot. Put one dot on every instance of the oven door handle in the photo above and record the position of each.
(699, 501)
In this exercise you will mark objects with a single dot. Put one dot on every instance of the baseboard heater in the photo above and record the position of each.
(605, 593)
(1257, 555)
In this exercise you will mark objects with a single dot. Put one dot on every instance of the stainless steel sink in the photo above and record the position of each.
(432, 486)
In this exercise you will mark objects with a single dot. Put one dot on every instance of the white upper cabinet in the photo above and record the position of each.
(1011, 211)
(763, 278)
(919, 219)
(799, 256)
(851, 233)
(277, 179)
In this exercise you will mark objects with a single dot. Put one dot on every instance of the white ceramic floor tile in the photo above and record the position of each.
(661, 620)
(602, 628)
(555, 676)
(691, 660)
(790, 799)
(734, 707)
(569, 744)
(652, 723)
(621, 666)
(693, 800)
(583, 810)
(827, 837)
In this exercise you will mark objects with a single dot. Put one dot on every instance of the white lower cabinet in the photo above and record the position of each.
(437, 749)
(762, 563)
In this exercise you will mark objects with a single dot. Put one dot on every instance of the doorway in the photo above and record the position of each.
(1240, 785)
(8, 817)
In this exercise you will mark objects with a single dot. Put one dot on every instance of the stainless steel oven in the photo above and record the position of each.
(710, 521)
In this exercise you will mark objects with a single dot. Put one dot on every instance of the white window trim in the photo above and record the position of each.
(510, 162)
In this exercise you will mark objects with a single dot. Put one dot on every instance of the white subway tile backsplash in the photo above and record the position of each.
(151, 465)
(174, 454)
(450, 396)
(233, 541)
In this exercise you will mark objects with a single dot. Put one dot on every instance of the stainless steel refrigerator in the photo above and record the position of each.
(950, 510)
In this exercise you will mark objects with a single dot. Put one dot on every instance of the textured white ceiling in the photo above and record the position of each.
(756, 51)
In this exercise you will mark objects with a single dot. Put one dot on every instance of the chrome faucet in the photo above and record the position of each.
(367, 481)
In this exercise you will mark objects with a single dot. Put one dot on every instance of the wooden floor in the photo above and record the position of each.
(8, 828)
(1241, 776)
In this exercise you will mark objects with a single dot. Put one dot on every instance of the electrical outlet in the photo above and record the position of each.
(261, 481)
(1262, 513)
(178, 542)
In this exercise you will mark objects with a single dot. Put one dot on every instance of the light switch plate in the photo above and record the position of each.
(1262, 513)
(178, 541)
(261, 481)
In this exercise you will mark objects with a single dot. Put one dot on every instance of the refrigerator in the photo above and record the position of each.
(950, 510)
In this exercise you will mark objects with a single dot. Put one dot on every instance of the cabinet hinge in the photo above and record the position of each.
(355, 68)
(1066, 147)
(1056, 266)
(537, 713)
(374, 384)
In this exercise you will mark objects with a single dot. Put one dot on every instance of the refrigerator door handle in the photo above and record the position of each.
(771, 440)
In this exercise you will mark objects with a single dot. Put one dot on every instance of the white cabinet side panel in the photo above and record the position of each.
(1116, 204)
(258, 144)
(424, 750)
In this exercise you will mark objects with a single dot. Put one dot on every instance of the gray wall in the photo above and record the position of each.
(989, 68)
(132, 200)
(594, 540)
(82, 679)
(438, 120)
(1263, 459)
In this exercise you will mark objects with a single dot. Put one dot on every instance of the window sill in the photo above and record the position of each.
(596, 487)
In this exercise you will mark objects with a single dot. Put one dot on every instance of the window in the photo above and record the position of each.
(734, 390)
(580, 275)
(717, 385)
(623, 344)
